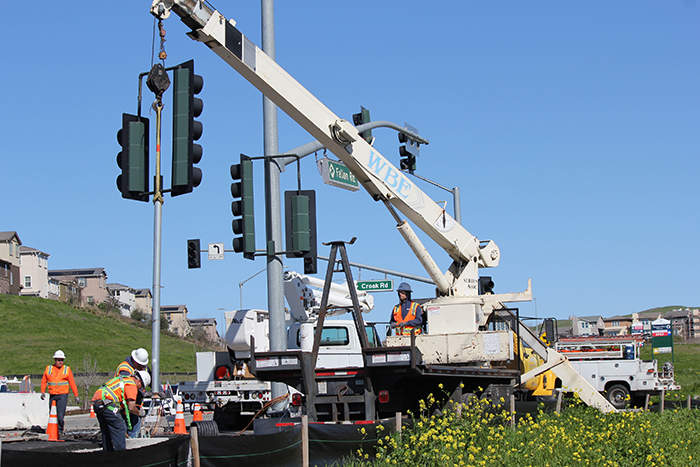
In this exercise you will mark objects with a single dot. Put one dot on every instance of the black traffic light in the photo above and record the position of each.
(186, 130)
(300, 227)
(409, 151)
(485, 285)
(359, 119)
(133, 158)
(242, 207)
(194, 254)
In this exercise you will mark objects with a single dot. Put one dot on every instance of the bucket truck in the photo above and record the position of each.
(462, 351)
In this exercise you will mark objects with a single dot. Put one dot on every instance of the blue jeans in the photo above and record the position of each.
(61, 403)
(112, 426)
(135, 426)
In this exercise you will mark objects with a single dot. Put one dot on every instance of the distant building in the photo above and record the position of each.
(643, 320)
(685, 322)
(144, 301)
(89, 284)
(10, 282)
(208, 325)
(124, 296)
(177, 319)
(587, 325)
(34, 271)
(617, 325)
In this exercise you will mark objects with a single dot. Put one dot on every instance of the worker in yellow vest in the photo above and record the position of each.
(407, 315)
(137, 361)
(58, 378)
(114, 398)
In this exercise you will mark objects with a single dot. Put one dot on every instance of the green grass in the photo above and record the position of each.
(34, 328)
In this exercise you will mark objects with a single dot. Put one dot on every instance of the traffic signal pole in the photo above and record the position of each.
(273, 206)
(157, 236)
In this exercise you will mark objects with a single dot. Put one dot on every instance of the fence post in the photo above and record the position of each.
(398, 422)
(194, 443)
(663, 398)
(688, 400)
(560, 393)
(512, 410)
(304, 441)
(646, 402)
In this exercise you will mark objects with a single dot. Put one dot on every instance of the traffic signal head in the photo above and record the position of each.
(242, 207)
(186, 130)
(194, 254)
(359, 119)
(300, 226)
(485, 285)
(133, 158)
(409, 151)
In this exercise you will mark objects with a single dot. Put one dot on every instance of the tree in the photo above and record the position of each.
(87, 374)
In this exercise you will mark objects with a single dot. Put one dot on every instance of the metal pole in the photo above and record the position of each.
(457, 205)
(275, 264)
(157, 235)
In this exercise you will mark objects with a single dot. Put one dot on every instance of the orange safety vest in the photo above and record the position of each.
(59, 382)
(113, 390)
(410, 316)
(124, 366)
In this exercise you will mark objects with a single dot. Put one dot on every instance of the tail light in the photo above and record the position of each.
(383, 397)
(297, 399)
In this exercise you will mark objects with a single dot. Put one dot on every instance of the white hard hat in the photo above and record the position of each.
(140, 356)
(145, 377)
(59, 354)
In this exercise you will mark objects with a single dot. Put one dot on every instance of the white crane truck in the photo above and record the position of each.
(224, 383)
(458, 354)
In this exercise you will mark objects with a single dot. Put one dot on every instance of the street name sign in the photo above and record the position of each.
(336, 174)
(386, 285)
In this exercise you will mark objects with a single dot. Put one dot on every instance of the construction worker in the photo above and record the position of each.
(59, 380)
(111, 400)
(407, 315)
(137, 361)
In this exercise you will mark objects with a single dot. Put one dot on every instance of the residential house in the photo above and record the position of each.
(644, 320)
(617, 325)
(144, 301)
(208, 325)
(177, 319)
(587, 325)
(685, 322)
(90, 284)
(10, 282)
(34, 271)
(124, 296)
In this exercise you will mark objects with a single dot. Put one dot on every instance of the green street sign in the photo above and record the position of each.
(376, 286)
(336, 174)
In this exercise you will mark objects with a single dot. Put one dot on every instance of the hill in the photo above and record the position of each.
(34, 328)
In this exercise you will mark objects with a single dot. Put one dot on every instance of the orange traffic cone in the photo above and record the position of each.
(92, 412)
(180, 421)
(197, 416)
(52, 429)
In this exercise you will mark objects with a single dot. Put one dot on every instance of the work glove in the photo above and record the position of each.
(77, 400)
(392, 325)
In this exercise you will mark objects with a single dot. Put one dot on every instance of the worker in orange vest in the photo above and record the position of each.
(407, 315)
(114, 398)
(59, 379)
(137, 361)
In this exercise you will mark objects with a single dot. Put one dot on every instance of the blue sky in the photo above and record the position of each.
(571, 128)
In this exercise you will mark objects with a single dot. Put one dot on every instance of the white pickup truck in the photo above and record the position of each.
(613, 366)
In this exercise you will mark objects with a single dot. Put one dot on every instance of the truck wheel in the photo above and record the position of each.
(618, 395)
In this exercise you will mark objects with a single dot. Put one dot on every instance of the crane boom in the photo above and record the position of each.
(377, 175)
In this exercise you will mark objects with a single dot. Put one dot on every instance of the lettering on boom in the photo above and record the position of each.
(391, 177)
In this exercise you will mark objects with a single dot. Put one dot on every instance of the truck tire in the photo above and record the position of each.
(618, 395)
(226, 419)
